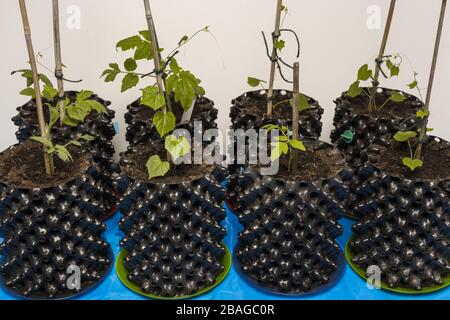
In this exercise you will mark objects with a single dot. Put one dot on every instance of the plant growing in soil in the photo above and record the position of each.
(171, 81)
(277, 62)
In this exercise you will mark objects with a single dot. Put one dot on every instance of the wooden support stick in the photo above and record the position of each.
(376, 77)
(295, 116)
(273, 58)
(155, 51)
(58, 62)
(423, 130)
(37, 89)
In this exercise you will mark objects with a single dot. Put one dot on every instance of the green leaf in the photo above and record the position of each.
(42, 140)
(45, 80)
(355, 90)
(177, 147)
(129, 81)
(280, 44)
(143, 51)
(394, 69)
(164, 122)
(111, 73)
(397, 96)
(77, 112)
(283, 139)
(130, 64)
(87, 137)
(183, 40)
(279, 149)
(364, 73)
(97, 106)
(129, 43)
(185, 86)
(412, 164)
(54, 114)
(49, 93)
(402, 136)
(145, 34)
(297, 144)
(413, 85)
(156, 167)
(63, 153)
(151, 98)
(68, 121)
(75, 143)
(422, 113)
(83, 95)
(28, 92)
(303, 103)
(347, 136)
(174, 66)
(254, 82)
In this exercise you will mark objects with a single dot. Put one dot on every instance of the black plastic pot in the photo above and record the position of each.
(366, 129)
(405, 229)
(173, 233)
(139, 120)
(288, 245)
(47, 231)
(243, 116)
(101, 149)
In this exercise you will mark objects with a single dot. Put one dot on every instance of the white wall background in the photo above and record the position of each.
(334, 35)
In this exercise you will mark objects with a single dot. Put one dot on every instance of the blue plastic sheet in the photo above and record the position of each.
(350, 287)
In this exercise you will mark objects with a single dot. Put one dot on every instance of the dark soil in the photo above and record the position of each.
(435, 155)
(135, 161)
(23, 166)
(359, 105)
(145, 114)
(256, 105)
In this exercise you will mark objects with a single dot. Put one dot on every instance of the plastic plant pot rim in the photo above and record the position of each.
(80, 174)
(383, 143)
(360, 272)
(312, 106)
(122, 273)
(344, 97)
(337, 276)
(69, 297)
(95, 116)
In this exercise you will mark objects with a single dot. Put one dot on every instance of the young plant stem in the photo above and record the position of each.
(375, 80)
(273, 65)
(40, 112)
(423, 129)
(58, 63)
(295, 116)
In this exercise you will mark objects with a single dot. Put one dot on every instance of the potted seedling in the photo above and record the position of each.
(404, 233)
(266, 105)
(81, 112)
(288, 245)
(172, 211)
(53, 245)
(367, 111)
(184, 100)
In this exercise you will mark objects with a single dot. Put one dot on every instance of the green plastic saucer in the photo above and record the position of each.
(360, 272)
(122, 273)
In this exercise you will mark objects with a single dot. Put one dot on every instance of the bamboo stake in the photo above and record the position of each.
(376, 77)
(58, 62)
(37, 89)
(295, 116)
(155, 51)
(423, 130)
(273, 58)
